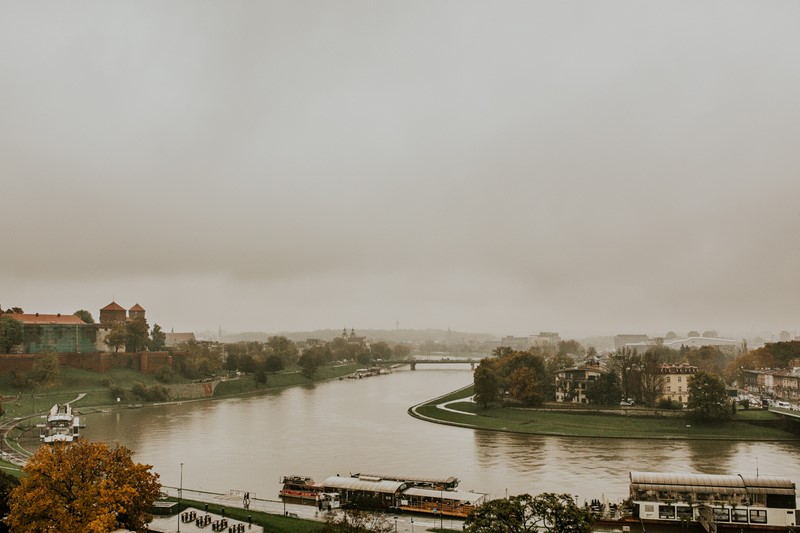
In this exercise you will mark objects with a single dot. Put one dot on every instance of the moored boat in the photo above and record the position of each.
(433, 496)
(61, 425)
(715, 502)
(300, 489)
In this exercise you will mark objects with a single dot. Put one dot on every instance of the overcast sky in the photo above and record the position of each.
(501, 167)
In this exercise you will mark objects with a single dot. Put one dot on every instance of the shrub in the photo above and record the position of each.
(667, 403)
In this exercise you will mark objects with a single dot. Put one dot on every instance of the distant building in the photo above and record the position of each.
(571, 383)
(352, 338)
(55, 333)
(697, 342)
(519, 344)
(522, 344)
(172, 339)
(676, 381)
(631, 339)
(545, 338)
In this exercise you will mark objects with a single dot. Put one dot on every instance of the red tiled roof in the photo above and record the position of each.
(136, 307)
(38, 318)
(113, 306)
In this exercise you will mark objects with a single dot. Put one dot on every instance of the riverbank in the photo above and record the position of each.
(457, 409)
(24, 406)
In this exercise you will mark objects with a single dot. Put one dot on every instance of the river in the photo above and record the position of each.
(351, 426)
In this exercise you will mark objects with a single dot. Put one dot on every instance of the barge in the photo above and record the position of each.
(426, 495)
(713, 503)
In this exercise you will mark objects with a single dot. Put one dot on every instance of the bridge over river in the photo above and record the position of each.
(435, 359)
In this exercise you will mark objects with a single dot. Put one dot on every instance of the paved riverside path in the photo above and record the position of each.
(405, 522)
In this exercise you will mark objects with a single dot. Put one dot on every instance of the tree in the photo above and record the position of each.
(626, 362)
(273, 363)
(7, 484)
(283, 347)
(46, 370)
(708, 399)
(486, 382)
(605, 390)
(83, 487)
(357, 521)
(380, 350)
(401, 351)
(524, 386)
(554, 513)
(570, 347)
(652, 382)
(312, 358)
(84, 315)
(116, 337)
(158, 339)
(10, 332)
(137, 334)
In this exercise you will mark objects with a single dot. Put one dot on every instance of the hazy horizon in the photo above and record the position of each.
(507, 168)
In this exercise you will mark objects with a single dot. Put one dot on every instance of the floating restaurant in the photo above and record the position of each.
(715, 501)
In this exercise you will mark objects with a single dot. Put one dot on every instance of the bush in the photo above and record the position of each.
(165, 375)
(118, 392)
(20, 379)
(667, 403)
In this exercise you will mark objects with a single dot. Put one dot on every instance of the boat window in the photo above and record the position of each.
(666, 511)
(721, 515)
(684, 512)
(758, 516)
(739, 515)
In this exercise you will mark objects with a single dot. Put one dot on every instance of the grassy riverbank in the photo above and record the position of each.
(25, 401)
(755, 425)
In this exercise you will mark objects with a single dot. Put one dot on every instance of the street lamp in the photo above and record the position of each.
(180, 499)
(441, 508)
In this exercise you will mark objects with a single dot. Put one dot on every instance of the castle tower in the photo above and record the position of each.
(112, 313)
(137, 311)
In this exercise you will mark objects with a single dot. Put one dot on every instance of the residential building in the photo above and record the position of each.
(571, 383)
(676, 381)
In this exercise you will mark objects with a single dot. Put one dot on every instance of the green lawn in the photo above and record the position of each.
(746, 425)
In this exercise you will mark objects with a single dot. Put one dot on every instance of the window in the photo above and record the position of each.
(684, 512)
(669, 389)
(666, 511)
(679, 379)
(758, 516)
(721, 515)
(739, 515)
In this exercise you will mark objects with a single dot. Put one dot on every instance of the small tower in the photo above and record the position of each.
(112, 313)
(137, 311)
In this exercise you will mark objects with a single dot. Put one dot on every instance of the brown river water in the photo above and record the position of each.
(349, 426)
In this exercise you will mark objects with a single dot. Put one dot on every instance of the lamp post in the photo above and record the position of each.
(441, 508)
(180, 499)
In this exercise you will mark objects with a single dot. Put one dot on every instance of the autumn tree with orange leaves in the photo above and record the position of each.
(83, 487)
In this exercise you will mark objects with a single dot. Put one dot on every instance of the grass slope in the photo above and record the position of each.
(746, 425)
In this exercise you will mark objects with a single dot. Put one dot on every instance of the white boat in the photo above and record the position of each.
(716, 502)
(60, 425)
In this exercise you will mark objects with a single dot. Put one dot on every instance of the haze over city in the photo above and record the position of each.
(509, 168)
